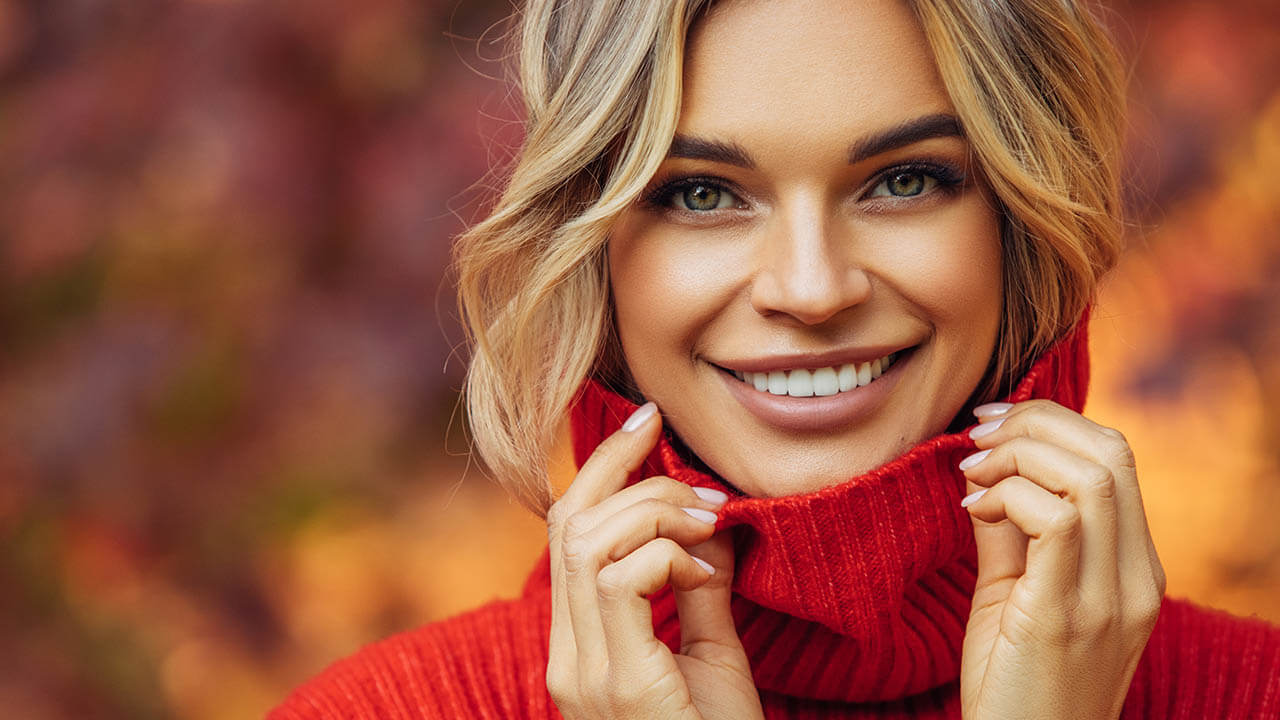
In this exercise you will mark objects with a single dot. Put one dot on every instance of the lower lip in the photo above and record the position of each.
(816, 414)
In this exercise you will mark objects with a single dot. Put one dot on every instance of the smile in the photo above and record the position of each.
(822, 382)
(823, 399)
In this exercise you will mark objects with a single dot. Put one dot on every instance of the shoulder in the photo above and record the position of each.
(487, 663)
(1206, 663)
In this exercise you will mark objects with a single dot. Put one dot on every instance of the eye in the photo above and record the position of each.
(703, 197)
(904, 183)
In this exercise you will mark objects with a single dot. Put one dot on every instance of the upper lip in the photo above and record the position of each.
(810, 361)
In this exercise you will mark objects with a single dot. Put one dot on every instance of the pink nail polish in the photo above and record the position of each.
(644, 412)
(974, 459)
(704, 564)
(701, 515)
(996, 408)
(972, 498)
(715, 497)
(986, 428)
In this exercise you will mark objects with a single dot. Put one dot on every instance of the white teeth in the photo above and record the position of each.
(848, 377)
(864, 374)
(778, 382)
(825, 382)
(822, 382)
(800, 383)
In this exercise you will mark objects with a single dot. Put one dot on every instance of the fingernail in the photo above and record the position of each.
(644, 412)
(986, 428)
(715, 497)
(701, 515)
(992, 409)
(704, 564)
(972, 498)
(974, 459)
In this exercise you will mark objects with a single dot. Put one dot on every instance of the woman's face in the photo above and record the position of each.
(817, 213)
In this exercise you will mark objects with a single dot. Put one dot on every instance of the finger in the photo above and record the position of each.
(586, 553)
(626, 530)
(1048, 421)
(707, 631)
(621, 590)
(1053, 528)
(1090, 486)
(658, 487)
(1002, 556)
(605, 471)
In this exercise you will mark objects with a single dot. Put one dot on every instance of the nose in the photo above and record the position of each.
(807, 270)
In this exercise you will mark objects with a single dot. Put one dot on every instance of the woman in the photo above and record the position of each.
(775, 259)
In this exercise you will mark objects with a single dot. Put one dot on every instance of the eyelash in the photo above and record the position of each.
(947, 177)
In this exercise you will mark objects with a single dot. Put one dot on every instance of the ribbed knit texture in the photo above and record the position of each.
(851, 603)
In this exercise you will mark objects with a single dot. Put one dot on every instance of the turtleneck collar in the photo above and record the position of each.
(858, 592)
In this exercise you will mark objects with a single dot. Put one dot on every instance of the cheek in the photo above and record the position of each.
(950, 265)
(666, 292)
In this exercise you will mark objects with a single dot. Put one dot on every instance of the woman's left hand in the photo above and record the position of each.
(1069, 584)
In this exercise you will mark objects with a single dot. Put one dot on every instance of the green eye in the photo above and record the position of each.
(702, 198)
(905, 184)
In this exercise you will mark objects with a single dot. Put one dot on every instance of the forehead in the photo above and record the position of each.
(812, 72)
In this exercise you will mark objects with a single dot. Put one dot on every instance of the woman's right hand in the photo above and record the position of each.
(610, 548)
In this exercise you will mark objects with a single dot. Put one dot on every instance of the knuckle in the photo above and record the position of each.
(1161, 580)
(556, 515)
(1097, 624)
(576, 526)
(1100, 481)
(666, 547)
(1065, 521)
(669, 490)
(576, 554)
(652, 507)
(611, 583)
(1149, 611)
(1115, 448)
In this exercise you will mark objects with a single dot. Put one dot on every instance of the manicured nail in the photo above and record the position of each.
(704, 564)
(992, 409)
(972, 498)
(974, 459)
(701, 515)
(986, 428)
(715, 497)
(638, 417)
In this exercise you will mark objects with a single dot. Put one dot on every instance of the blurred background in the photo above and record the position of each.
(229, 446)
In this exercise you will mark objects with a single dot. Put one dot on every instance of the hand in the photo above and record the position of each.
(610, 547)
(1069, 584)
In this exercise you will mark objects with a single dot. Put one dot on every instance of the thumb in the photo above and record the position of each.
(707, 631)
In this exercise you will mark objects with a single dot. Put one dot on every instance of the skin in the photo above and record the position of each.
(803, 252)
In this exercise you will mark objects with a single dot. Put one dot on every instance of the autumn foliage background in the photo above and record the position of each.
(229, 451)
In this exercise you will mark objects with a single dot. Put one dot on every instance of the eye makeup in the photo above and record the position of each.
(937, 175)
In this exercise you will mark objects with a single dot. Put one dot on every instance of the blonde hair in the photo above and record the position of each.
(1036, 84)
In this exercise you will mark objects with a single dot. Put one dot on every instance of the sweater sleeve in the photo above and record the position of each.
(1204, 664)
(486, 664)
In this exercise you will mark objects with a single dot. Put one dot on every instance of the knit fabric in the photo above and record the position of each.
(851, 602)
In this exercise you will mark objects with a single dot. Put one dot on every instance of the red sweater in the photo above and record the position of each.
(851, 602)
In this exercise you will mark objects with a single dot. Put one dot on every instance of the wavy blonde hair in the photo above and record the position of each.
(1038, 88)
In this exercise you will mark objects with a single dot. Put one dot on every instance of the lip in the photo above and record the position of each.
(814, 414)
(812, 361)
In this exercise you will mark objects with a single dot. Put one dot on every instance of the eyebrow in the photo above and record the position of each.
(907, 133)
(684, 146)
(901, 135)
